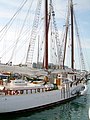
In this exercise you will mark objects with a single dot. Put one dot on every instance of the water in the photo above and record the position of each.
(74, 110)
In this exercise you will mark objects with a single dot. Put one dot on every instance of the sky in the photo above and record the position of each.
(8, 43)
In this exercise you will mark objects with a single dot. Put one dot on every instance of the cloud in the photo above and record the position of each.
(83, 4)
(86, 44)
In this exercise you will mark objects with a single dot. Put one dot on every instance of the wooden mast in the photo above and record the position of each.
(65, 46)
(72, 37)
(46, 36)
(38, 52)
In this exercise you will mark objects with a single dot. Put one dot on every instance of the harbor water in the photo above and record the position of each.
(77, 109)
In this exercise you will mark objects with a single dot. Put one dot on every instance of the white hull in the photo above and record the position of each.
(30, 101)
(21, 98)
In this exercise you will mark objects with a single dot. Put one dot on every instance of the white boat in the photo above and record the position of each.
(89, 113)
(21, 96)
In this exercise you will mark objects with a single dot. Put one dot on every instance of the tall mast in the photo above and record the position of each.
(65, 45)
(66, 33)
(72, 37)
(46, 35)
(38, 52)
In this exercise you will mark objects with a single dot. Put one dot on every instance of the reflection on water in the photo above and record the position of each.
(74, 110)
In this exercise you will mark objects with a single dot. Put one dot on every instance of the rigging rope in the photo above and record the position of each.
(17, 40)
(64, 43)
(56, 37)
(81, 53)
(14, 16)
(30, 51)
(8, 25)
